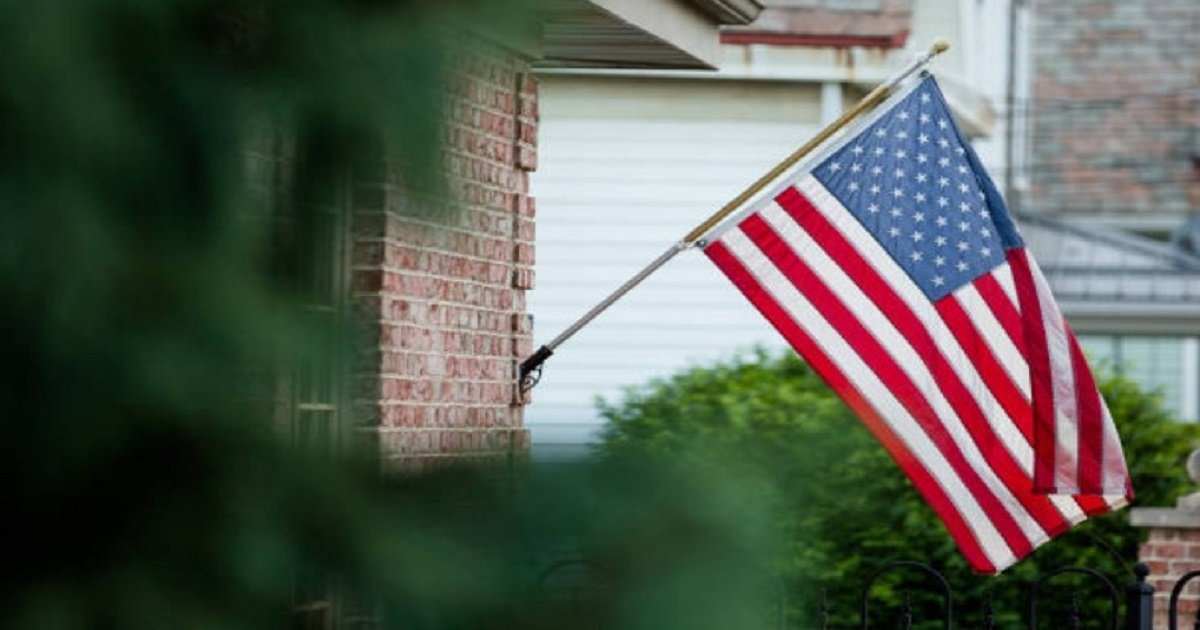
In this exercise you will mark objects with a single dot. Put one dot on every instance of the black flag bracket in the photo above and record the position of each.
(531, 368)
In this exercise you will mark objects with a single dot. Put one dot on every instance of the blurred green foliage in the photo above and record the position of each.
(845, 509)
(150, 293)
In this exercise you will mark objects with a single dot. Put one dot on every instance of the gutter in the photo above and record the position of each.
(730, 11)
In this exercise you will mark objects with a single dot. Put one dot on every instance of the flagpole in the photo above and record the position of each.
(528, 377)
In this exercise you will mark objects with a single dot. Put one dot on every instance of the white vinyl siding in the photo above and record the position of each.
(627, 167)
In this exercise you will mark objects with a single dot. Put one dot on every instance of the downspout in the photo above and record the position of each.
(1010, 188)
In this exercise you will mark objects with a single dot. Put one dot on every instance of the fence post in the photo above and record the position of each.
(1139, 601)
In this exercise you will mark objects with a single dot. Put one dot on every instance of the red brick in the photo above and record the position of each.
(527, 157)
(526, 206)
(522, 278)
(1181, 567)
(1170, 551)
(527, 133)
(524, 254)
(525, 230)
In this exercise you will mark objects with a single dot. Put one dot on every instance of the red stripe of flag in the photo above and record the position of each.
(990, 370)
(1092, 504)
(882, 363)
(1091, 422)
(1040, 386)
(1002, 307)
(930, 489)
(1015, 403)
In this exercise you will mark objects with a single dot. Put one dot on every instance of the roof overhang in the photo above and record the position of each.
(730, 11)
(857, 66)
(638, 33)
(1106, 281)
(1131, 318)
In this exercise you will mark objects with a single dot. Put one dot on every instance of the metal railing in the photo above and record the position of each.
(1091, 600)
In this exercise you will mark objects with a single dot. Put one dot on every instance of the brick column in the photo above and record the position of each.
(443, 294)
(1172, 550)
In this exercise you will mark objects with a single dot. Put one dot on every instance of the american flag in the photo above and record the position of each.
(894, 269)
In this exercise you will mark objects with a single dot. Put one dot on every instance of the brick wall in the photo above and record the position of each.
(1170, 553)
(1116, 108)
(443, 298)
(1171, 550)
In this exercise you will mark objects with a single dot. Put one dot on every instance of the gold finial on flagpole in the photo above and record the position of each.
(940, 46)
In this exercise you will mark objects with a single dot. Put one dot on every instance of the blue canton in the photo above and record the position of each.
(919, 189)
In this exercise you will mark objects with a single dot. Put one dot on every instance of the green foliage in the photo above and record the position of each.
(151, 286)
(845, 507)
(141, 299)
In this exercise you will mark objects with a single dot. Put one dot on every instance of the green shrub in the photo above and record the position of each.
(845, 508)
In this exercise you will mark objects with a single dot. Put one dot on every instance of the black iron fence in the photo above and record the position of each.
(1090, 600)
(1173, 610)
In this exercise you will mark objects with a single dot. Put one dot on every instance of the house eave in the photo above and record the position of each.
(645, 34)
(1131, 317)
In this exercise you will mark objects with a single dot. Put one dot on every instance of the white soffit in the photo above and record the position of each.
(638, 33)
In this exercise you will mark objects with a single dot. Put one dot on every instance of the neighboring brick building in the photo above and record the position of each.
(1114, 155)
(1116, 112)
